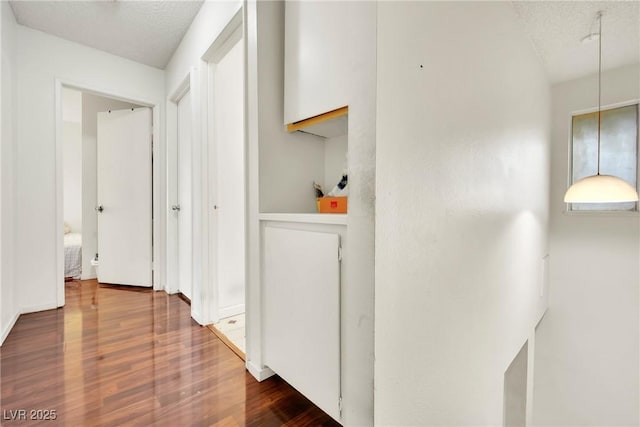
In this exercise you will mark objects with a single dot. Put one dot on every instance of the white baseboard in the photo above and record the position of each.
(36, 308)
(259, 374)
(198, 318)
(7, 329)
(230, 311)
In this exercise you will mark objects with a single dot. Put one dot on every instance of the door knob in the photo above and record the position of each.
(175, 207)
(99, 208)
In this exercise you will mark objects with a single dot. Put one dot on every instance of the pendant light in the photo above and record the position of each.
(600, 188)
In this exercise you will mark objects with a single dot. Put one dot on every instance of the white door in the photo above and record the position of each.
(184, 196)
(228, 177)
(125, 197)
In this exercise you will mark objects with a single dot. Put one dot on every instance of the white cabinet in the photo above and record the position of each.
(317, 58)
(301, 282)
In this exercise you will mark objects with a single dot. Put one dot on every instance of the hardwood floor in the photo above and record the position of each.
(127, 356)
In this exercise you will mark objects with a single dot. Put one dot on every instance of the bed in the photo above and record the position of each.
(72, 255)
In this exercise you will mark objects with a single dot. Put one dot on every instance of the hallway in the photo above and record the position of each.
(130, 356)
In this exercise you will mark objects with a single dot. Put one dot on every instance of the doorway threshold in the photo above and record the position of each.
(231, 332)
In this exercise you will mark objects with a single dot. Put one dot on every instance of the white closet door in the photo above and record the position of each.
(229, 181)
(185, 229)
(302, 312)
(125, 195)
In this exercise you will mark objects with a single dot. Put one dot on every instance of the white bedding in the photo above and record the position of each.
(73, 255)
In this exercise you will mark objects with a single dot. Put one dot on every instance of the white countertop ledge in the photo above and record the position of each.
(311, 218)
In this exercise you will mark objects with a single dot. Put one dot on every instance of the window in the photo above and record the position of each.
(618, 151)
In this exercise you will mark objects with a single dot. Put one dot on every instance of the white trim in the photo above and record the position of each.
(181, 90)
(228, 37)
(531, 350)
(210, 183)
(7, 329)
(233, 310)
(37, 308)
(604, 107)
(253, 297)
(199, 301)
(198, 317)
(157, 182)
(259, 374)
(171, 128)
(59, 228)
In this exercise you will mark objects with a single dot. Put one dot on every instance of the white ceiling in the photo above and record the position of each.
(556, 27)
(144, 31)
(150, 31)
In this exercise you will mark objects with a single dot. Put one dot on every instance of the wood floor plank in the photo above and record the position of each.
(118, 356)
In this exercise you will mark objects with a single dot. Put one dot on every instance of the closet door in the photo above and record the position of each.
(125, 197)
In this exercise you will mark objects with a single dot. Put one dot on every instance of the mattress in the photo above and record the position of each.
(73, 255)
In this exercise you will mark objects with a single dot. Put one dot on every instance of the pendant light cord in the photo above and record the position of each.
(599, 80)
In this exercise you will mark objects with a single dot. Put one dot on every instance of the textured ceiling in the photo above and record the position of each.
(144, 31)
(556, 27)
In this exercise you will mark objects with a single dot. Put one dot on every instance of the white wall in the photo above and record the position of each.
(42, 59)
(91, 106)
(72, 158)
(335, 161)
(461, 208)
(8, 307)
(72, 174)
(587, 346)
(289, 162)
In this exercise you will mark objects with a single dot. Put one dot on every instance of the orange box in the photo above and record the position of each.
(332, 204)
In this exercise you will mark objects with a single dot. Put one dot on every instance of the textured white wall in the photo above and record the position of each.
(42, 59)
(587, 346)
(91, 106)
(462, 182)
(9, 309)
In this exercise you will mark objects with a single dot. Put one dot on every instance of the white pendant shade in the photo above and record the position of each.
(601, 189)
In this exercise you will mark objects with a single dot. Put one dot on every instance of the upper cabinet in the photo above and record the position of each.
(317, 58)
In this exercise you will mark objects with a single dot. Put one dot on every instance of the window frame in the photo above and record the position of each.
(568, 206)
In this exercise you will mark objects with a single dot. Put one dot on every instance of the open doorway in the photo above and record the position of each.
(102, 140)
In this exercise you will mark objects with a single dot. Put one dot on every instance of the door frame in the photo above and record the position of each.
(183, 87)
(59, 184)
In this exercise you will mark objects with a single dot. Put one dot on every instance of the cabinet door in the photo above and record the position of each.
(317, 58)
(302, 312)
